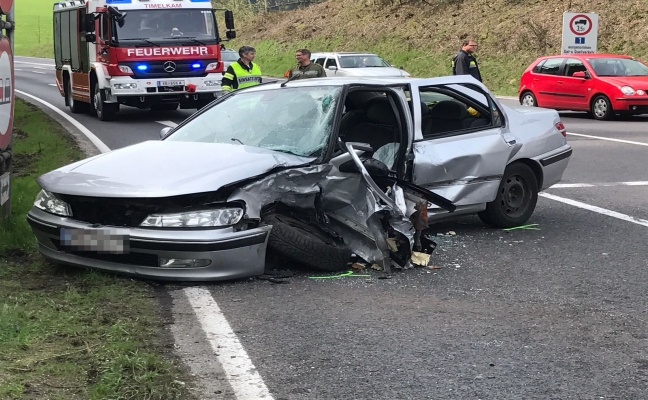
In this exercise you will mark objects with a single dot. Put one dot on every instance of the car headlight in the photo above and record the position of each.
(194, 219)
(627, 90)
(46, 201)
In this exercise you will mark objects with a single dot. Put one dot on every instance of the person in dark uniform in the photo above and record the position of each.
(305, 68)
(465, 62)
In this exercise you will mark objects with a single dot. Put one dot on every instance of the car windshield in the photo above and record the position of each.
(618, 67)
(362, 61)
(229, 55)
(192, 24)
(290, 120)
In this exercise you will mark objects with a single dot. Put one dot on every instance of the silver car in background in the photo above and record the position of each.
(228, 56)
(309, 171)
(338, 64)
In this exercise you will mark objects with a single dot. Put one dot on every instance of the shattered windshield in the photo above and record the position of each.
(291, 120)
(166, 24)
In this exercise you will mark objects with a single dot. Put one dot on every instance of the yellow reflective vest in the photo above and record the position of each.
(239, 77)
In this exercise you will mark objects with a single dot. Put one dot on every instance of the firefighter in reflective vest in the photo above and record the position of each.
(242, 73)
(465, 62)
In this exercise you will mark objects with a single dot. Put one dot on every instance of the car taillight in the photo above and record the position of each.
(561, 127)
(213, 67)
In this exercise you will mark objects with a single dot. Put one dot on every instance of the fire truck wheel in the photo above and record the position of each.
(76, 107)
(105, 111)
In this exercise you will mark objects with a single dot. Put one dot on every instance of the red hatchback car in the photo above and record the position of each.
(603, 84)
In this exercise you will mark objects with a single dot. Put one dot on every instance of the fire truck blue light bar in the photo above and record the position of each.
(119, 1)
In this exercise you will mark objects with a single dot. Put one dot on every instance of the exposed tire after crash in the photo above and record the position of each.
(602, 108)
(516, 198)
(528, 99)
(306, 244)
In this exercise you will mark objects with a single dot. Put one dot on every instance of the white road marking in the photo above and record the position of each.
(31, 63)
(51, 68)
(52, 84)
(609, 139)
(596, 209)
(168, 123)
(241, 373)
(95, 140)
(38, 72)
(604, 184)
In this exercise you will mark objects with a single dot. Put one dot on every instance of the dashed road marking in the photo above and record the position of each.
(608, 139)
(602, 184)
(599, 210)
(168, 123)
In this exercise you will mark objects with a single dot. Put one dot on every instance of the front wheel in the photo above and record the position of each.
(516, 199)
(104, 111)
(601, 108)
(528, 99)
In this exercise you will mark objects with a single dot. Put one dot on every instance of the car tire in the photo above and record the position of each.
(516, 198)
(104, 111)
(602, 108)
(528, 99)
(76, 107)
(306, 244)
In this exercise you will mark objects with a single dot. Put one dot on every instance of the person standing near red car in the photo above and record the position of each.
(465, 62)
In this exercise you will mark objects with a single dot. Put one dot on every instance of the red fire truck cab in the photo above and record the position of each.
(157, 54)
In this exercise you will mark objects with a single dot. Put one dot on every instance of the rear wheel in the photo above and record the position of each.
(306, 244)
(76, 107)
(528, 99)
(516, 199)
(104, 111)
(601, 108)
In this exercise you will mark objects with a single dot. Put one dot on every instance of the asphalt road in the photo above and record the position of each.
(558, 311)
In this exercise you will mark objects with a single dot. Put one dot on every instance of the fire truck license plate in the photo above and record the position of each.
(171, 83)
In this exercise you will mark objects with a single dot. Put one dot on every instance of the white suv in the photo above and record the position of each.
(356, 64)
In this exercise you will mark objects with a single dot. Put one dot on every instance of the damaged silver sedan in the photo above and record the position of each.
(309, 171)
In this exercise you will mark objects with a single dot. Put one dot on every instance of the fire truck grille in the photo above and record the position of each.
(156, 69)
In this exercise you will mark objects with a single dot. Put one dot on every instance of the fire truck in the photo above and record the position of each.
(155, 54)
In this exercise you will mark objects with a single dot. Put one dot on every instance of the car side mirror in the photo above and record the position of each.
(90, 37)
(89, 23)
(229, 19)
(164, 132)
(580, 74)
(332, 68)
(230, 35)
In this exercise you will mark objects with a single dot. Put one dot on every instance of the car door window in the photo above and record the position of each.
(573, 65)
(330, 63)
(320, 61)
(551, 66)
(454, 110)
(537, 68)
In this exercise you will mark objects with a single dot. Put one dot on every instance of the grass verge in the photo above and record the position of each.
(70, 333)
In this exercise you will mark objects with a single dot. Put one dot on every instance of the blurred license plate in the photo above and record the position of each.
(170, 83)
(106, 240)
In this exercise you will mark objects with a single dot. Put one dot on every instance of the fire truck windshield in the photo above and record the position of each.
(156, 25)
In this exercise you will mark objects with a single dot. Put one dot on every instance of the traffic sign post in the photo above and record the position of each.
(579, 33)
(6, 104)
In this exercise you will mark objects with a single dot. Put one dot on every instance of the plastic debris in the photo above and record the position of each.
(421, 259)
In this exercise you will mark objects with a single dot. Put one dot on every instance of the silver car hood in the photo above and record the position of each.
(165, 168)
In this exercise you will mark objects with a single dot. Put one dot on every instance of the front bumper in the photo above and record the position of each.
(631, 105)
(119, 86)
(232, 255)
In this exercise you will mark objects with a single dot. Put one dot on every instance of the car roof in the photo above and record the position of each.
(585, 55)
(379, 81)
(341, 53)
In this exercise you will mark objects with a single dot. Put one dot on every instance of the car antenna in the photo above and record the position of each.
(288, 80)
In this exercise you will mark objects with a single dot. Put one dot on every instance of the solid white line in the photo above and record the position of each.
(38, 72)
(168, 123)
(95, 140)
(609, 139)
(596, 209)
(51, 68)
(52, 84)
(605, 184)
(241, 373)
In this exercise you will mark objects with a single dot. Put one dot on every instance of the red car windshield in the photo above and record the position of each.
(618, 67)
